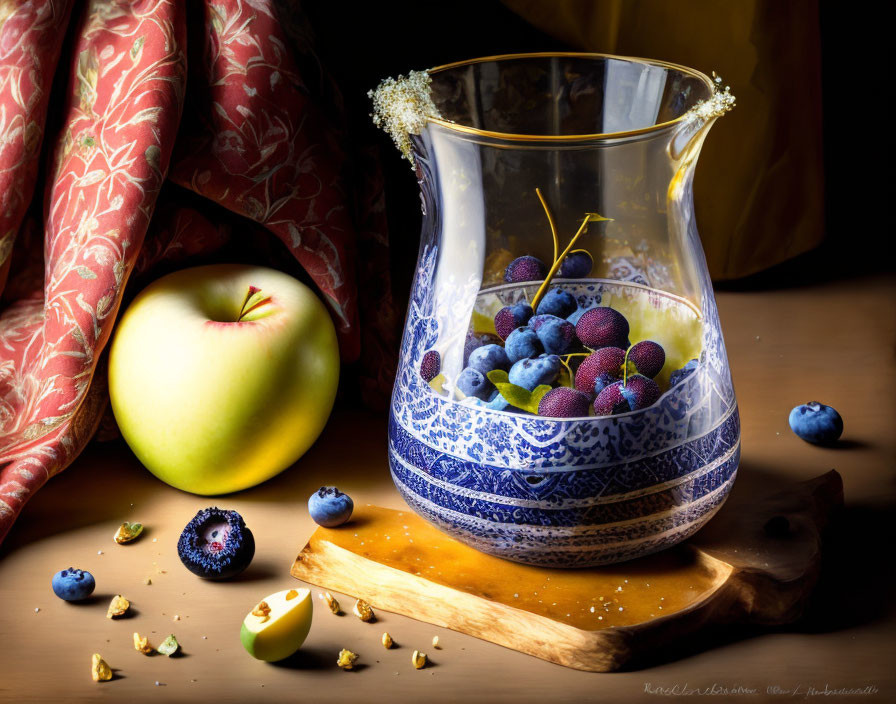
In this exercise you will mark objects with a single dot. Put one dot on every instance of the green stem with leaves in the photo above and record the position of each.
(589, 217)
(553, 225)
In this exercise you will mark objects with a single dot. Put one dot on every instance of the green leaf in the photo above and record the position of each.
(438, 383)
(539, 394)
(255, 298)
(520, 396)
(498, 376)
(85, 273)
(515, 395)
(597, 217)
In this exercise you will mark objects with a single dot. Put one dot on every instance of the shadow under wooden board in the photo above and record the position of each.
(752, 564)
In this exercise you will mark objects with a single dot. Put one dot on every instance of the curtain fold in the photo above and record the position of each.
(210, 96)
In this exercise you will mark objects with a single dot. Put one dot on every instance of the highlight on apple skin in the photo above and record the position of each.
(222, 376)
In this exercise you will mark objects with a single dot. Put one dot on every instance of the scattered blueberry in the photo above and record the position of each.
(603, 327)
(576, 265)
(557, 302)
(648, 358)
(430, 366)
(330, 507)
(530, 373)
(564, 402)
(216, 544)
(605, 363)
(816, 423)
(489, 357)
(525, 269)
(512, 317)
(557, 335)
(472, 382)
(476, 340)
(73, 584)
(522, 343)
(680, 375)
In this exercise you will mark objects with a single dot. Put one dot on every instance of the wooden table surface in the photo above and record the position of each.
(832, 342)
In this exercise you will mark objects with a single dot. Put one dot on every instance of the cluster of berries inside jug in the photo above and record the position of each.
(550, 356)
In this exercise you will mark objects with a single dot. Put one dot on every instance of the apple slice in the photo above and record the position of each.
(278, 625)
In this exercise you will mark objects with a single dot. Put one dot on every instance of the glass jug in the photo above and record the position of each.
(526, 419)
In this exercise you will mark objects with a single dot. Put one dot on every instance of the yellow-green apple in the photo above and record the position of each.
(278, 625)
(222, 376)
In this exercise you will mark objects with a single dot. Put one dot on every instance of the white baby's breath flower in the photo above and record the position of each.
(401, 107)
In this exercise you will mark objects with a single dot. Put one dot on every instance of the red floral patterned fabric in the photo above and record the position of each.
(238, 128)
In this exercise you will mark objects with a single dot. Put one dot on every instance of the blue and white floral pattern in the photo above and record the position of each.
(563, 493)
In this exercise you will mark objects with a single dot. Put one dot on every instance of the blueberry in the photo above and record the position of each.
(522, 343)
(498, 403)
(330, 507)
(816, 423)
(530, 373)
(610, 401)
(216, 544)
(476, 340)
(557, 302)
(489, 357)
(525, 269)
(638, 392)
(605, 363)
(602, 381)
(430, 366)
(603, 327)
(648, 358)
(576, 265)
(680, 375)
(73, 584)
(512, 317)
(557, 335)
(472, 382)
(564, 402)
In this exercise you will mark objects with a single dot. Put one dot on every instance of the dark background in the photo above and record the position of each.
(362, 46)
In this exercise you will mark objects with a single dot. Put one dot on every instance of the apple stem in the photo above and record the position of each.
(254, 298)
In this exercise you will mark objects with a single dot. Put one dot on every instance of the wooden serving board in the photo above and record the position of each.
(755, 565)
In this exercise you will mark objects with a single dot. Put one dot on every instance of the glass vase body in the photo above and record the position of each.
(522, 145)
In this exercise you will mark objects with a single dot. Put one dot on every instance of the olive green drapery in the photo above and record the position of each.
(759, 186)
